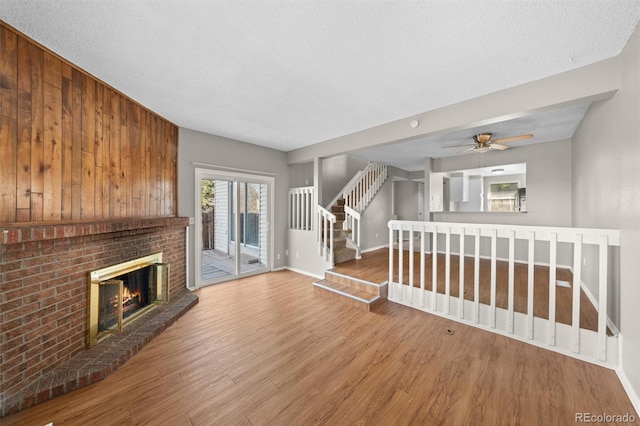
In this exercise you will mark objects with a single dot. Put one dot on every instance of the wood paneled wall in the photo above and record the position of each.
(73, 148)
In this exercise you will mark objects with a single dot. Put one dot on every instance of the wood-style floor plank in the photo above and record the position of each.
(374, 267)
(266, 351)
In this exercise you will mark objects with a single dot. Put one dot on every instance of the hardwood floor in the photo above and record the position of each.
(374, 267)
(265, 351)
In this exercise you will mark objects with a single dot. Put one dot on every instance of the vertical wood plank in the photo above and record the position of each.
(52, 195)
(76, 144)
(153, 176)
(144, 166)
(135, 175)
(170, 188)
(8, 74)
(67, 142)
(106, 158)
(23, 166)
(125, 155)
(87, 208)
(8, 148)
(114, 156)
(98, 152)
(160, 156)
(37, 132)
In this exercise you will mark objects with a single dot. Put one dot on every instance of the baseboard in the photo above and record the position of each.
(299, 271)
(375, 248)
(628, 388)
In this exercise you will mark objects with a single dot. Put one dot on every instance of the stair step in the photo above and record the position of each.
(343, 254)
(357, 298)
(357, 283)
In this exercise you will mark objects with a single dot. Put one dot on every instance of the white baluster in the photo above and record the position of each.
(577, 279)
(552, 288)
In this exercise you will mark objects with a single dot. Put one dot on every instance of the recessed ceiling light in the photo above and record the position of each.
(414, 124)
(497, 171)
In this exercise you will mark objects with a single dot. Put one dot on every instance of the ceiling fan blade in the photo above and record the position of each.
(498, 146)
(513, 138)
(465, 150)
(459, 146)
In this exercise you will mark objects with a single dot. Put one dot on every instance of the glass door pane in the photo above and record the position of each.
(218, 257)
(252, 226)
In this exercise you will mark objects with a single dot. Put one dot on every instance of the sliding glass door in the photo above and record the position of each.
(232, 235)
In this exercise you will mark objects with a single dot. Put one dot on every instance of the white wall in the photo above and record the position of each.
(194, 146)
(606, 194)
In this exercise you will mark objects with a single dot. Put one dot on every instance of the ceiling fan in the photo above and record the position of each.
(483, 143)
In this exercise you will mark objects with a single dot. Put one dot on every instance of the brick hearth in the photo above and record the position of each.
(43, 302)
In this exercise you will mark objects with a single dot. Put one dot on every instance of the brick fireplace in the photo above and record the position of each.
(44, 274)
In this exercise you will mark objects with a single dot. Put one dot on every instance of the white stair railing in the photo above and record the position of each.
(364, 185)
(301, 208)
(326, 221)
(352, 221)
(593, 346)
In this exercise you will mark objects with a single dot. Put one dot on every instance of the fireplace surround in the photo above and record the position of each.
(44, 271)
(120, 293)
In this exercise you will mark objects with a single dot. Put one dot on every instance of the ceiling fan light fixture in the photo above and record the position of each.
(497, 171)
(482, 149)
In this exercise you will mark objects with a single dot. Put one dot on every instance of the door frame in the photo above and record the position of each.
(235, 177)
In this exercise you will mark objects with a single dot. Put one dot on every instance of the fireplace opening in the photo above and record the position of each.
(131, 289)
(121, 293)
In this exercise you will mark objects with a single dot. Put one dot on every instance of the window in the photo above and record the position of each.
(503, 197)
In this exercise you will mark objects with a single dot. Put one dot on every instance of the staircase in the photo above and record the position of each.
(356, 292)
(339, 237)
(347, 208)
(341, 253)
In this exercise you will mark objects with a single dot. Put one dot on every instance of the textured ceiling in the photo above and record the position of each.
(546, 126)
(287, 74)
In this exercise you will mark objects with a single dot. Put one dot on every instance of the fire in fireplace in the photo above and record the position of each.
(120, 293)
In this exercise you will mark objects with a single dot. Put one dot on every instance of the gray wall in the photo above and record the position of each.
(606, 193)
(301, 175)
(406, 199)
(549, 184)
(194, 146)
(375, 232)
(336, 173)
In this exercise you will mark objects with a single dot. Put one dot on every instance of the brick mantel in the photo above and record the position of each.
(20, 233)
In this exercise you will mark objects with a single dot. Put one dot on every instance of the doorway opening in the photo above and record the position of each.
(232, 232)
